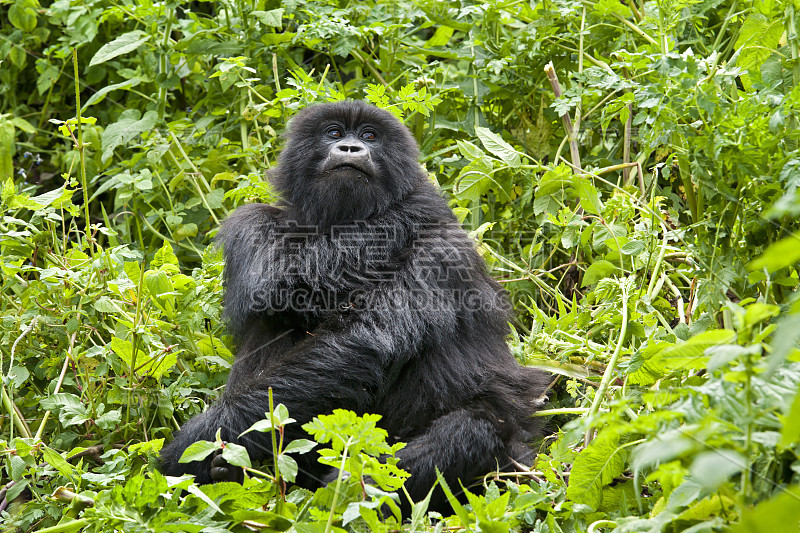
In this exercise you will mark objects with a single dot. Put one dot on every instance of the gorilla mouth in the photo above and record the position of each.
(360, 172)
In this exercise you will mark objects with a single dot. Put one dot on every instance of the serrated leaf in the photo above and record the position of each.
(469, 150)
(197, 491)
(497, 146)
(126, 128)
(692, 353)
(594, 468)
(758, 36)
(127, 42)
(473, 181)
(590, 198)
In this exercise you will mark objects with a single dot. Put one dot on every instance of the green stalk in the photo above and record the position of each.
(134, 345)
(81, 148)
(278, 501)
(13, 414)
(75, 525)
(686, 179)
(162, 65)
(601, 390)
(338, 486)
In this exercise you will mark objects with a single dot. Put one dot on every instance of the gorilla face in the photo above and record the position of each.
(349, 154)
(345, 162)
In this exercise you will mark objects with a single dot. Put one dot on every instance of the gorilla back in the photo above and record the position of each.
(360, 291)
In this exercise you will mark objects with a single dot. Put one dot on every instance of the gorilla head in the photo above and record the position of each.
(345, 161)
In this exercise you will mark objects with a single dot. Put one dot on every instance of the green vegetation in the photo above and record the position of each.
(639, 200)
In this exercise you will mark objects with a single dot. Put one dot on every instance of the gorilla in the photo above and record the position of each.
(361, 291)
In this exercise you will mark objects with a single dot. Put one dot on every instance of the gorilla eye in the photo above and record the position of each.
(336, 133)
(368, 135)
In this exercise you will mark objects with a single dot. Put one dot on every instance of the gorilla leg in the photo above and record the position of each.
(462, 445)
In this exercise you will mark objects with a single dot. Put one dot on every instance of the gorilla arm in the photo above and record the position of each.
(346, 362)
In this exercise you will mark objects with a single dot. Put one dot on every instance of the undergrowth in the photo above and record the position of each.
(630, 172)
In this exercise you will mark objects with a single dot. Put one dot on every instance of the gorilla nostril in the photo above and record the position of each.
(352, 148)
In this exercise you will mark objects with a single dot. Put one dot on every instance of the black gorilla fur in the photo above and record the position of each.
(362, 292)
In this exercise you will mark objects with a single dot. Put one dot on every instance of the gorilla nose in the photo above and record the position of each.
(350, 147)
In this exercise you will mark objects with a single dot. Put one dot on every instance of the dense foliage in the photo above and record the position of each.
(639, 200)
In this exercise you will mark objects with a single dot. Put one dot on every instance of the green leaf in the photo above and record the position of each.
(126, 128)
(71, 411)
(712, 469)
(780, 254)
(692, 353)
(758, 36)
(109, 420)
(7, 150)
(440, 38)
(236, 455)
(127, 42)
(160, 288)
(633, 248)
(123, 348)
(58, 462)
(300, 446)
(104, 304)
(100, 95)
(497, 146)
(24, 125)
(22, 15)
(270, 18)
(473, 181)
(197, 491)
(262, 425)
(469, 150)
(590, 198)
(594, 468)
(790, 434)
(597, 271)
(773, 515)
(198, 451)
(287, 467)
(56, 196)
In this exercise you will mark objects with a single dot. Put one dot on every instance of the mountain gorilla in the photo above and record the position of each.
(360, 291)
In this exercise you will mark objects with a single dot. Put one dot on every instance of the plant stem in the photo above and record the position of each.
(75, 525)
(573, 144)
(278, 482)
(162, 65)
(338, 486)
(81, 148)
(601, 391)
